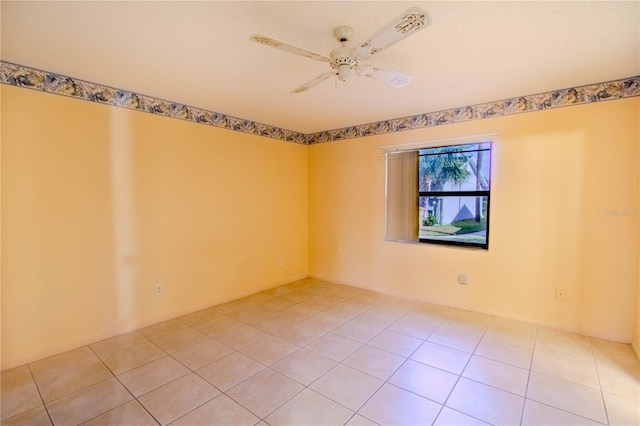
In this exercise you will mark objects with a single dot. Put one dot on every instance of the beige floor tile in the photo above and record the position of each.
(297, 296)
(325, 321)
(61, 362)
(310, 408)
(512, 332)
(376, 362)
(433, 310)
(117, 343)
(417, 325)
(217, 325)
(426, 381)
(334, 346)
(492, 354)
(568, 396)
(321, 302)
(449, 417)
(15, 376)
(220, 411)
(34, 417)
(269, 350)
(378, 317)
(249, 314)
(240, 336)
(442, 357)
(620, 378)
(304, 366)
(347, 386)
(201, 354)
(300, 334)
(613, 352)
(150, 376)
(454, 338)
(392, 405)
(398, 343)
(131, 357)
(621, 411)
(230, 370)
(372, 297)
(536, 414)
(358, 420)
(264, 392)
(60, 383)
(88, 403)
(175, 340)
(348, 309)
(177, 398)
(563, 343)
(131, 413)
(357, 330)
(468, 321)
(578, 370)
(156, 330)
(273, 322)
(18, 397)
(276, 304)
(486, 403)
(396, 304)
(299, 312)
(199, 317)
(504, 352)
(497, 374)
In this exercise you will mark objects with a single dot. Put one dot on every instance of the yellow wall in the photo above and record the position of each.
(635, 341)
(555, 173)
(99, 204)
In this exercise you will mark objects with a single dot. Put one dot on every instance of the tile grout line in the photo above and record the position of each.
(44, 404)
(595, 362)
(123, 385)
(526, 389)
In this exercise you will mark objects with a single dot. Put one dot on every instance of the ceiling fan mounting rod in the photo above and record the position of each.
(343, 58)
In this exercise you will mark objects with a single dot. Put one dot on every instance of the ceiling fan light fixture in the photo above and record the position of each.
(344, 71)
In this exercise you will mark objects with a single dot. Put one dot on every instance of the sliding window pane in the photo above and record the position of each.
(451, 219)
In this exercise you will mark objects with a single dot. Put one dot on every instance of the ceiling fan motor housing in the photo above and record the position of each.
(342, 60)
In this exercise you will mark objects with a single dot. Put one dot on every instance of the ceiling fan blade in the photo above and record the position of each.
(312, 83)
(392, 78)
(411, 21)
(268, 41)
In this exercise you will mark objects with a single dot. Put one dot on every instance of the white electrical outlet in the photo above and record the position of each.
(159, 289)
(462, 279)
(281, 261)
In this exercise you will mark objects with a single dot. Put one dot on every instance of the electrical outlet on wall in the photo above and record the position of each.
(281, 261)
(463, 279)
(159, 289)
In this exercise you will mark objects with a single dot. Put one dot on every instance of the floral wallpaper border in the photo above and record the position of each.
(22, 76)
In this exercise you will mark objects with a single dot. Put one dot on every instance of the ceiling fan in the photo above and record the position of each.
(345, 60)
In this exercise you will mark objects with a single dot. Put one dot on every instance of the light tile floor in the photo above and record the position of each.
(312, 352)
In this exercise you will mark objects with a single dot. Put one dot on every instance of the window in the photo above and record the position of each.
(440, 195)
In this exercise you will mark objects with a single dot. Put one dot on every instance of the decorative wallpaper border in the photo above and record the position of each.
(617, 89)
(21, 76)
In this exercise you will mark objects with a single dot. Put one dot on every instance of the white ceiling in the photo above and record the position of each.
(199, 53)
